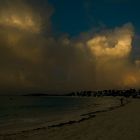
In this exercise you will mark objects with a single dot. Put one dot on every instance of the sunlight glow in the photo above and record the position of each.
(24, 23)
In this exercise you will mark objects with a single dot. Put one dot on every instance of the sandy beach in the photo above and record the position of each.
(118, 123)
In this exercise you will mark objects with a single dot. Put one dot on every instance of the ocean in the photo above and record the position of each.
(18, 112)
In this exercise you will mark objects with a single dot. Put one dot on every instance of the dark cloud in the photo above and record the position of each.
(32, 59)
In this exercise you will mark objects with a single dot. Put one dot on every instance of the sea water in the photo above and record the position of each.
(18, 112)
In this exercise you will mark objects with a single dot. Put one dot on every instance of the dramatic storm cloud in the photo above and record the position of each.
(33, 59)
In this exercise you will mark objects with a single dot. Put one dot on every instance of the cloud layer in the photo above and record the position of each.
(32, 59)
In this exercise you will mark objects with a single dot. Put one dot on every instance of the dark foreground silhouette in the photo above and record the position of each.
(97, 93)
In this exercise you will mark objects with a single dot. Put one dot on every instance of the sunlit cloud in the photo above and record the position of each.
(33, 60)
(18, 14)
(24, 23)
(115, 45)
(130, 80)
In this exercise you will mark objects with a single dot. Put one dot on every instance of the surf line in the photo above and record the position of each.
(89, 115)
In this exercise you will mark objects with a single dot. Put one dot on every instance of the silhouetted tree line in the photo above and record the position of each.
(126, 93)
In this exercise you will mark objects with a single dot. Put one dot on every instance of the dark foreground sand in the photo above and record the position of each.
(121, 123)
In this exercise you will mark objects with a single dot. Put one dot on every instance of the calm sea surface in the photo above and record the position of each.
(25, 111)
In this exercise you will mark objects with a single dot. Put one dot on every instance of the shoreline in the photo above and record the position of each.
(83, 117)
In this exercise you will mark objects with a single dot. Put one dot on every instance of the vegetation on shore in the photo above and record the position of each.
(97, 93)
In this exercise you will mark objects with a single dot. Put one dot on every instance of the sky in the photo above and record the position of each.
(82, 15)
(51, 45)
